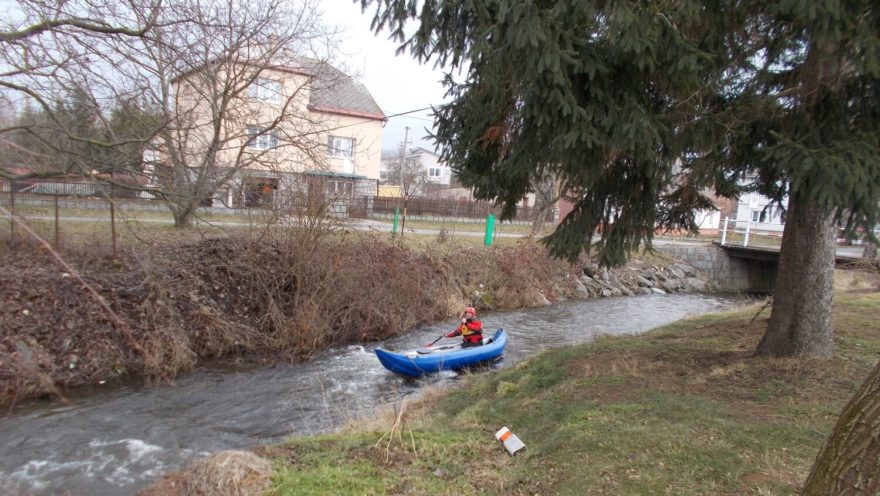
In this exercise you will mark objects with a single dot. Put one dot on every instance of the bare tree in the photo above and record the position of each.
(406, 172)
(849, 461)
(98, 17)
(218, 90)
(35, 41)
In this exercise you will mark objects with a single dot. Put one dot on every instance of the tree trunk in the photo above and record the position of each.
(546, 195)
(538, 221)
(182, 216)
(849, 462)
(800, 323)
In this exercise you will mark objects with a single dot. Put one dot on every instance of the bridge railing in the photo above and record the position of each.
(760, 235)
(735, 232)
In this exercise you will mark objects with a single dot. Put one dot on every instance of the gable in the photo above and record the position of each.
(335, 92)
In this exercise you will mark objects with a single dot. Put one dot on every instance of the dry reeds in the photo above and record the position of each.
(282, 292)
(398, 427)
(227, 473)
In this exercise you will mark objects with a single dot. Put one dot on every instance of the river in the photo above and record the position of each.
(118, 441)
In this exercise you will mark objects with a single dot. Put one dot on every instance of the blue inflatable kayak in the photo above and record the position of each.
(426, 360)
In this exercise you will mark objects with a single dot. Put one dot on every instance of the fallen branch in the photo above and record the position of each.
(763, 307)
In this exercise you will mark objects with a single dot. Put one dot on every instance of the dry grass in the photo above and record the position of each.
(228, 473)
(857, 277)
(260, 294)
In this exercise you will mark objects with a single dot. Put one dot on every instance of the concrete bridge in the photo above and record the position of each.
(732, 267)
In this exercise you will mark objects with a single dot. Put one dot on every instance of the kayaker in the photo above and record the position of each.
(470, 329)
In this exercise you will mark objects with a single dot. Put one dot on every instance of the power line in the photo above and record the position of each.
(424, 119)
(386, 118)
(408, 112)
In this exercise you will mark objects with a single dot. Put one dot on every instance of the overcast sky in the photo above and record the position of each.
(397, 83)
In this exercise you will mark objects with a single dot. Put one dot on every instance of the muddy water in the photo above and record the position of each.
(117, 442)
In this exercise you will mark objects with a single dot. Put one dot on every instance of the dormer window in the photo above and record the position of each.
(265, 90)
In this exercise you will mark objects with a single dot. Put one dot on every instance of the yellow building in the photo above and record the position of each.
(389, 191)
(299, 126)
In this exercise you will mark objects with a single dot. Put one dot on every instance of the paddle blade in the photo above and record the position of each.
(432, 343)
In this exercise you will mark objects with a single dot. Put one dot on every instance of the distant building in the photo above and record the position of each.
(421, 163)
(708, 221)
(760, 212)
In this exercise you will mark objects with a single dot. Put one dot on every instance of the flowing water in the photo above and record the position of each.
(118, 441)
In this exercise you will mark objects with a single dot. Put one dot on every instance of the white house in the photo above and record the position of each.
(428, 162)
(756, 210)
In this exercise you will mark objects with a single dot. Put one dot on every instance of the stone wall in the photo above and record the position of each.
(724, 273)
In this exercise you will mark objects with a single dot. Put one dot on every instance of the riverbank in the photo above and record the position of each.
(159, 308)
(682, 410)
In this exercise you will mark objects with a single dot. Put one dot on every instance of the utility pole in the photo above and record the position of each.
(404, 152)
(403, 177)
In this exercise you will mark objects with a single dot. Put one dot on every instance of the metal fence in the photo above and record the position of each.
(79, 188)
(450, 209)
(60, 209)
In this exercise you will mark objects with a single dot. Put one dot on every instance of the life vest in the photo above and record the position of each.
(471, 330)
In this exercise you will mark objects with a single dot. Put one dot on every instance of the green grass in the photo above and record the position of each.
(479, 226)
(83, 227)
(133, 214)
(357, 464)
(684, 410)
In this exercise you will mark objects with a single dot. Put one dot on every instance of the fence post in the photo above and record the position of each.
(490, 227)
(113, 226)
(403, 221)
(57, 227)
(748, 228)
(12, 213)
(724, 232)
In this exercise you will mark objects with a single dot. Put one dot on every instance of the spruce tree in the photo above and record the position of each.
(640, 107)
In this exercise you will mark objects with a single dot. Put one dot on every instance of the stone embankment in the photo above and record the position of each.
(662, 275)
(628, 281)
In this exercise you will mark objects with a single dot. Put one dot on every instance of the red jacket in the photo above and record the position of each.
(471, 330)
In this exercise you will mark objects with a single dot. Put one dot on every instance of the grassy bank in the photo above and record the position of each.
(264, 295)
(682, 410)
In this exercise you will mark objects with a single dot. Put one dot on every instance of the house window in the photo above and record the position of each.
(756, 215)
(259, 192)
(337, 146)
(266, 90)
(433, 172)
(261, 138)
(339, 187)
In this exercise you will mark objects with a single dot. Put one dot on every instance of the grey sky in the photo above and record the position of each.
(397, 83)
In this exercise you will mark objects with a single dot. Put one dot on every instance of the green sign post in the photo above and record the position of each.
(490, 229)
